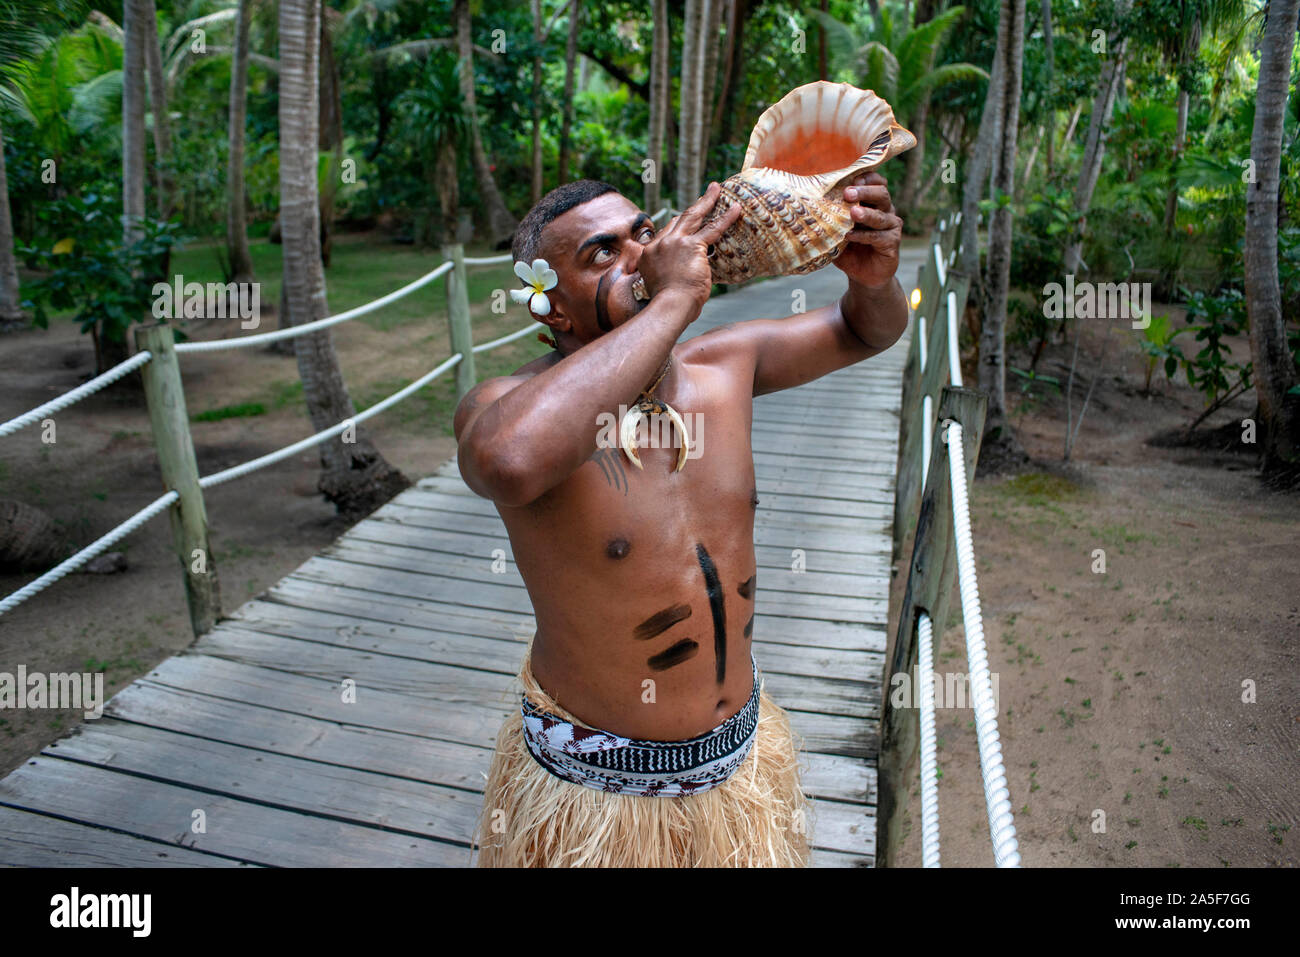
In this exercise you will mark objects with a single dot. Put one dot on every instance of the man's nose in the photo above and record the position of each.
(634, 255)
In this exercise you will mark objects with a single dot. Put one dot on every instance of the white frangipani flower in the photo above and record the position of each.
(539, 277)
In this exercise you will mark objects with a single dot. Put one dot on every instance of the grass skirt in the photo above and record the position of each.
(758, 817)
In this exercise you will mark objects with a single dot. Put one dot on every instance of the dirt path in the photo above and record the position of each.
(1160, 693)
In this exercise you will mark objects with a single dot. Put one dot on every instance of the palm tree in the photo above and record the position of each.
(1276, 381)
(1108, 87)
(1004, 97)
(687, 123)
(501, 224)
(660, 104)
(241, 260)
(896, 59)
(162, 136)
(133, 156)
(570, 75)
(1178, 25)
(434, 110)
(354, 476)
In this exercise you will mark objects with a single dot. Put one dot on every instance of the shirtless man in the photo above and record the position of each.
(649, 573)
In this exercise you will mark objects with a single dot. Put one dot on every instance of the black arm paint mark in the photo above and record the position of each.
(661, 621)
(684, 650)
(749, 627)
(746, 588)
(714, 588)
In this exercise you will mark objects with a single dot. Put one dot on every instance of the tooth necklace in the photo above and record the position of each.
(647, 404)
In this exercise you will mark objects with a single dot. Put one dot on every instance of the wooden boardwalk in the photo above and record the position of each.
(244, 751)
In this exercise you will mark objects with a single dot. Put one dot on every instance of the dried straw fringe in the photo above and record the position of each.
(758, 817)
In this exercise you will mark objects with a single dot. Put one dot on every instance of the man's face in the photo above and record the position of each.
(594, 249)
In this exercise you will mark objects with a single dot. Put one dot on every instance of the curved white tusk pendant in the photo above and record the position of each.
(631, 421)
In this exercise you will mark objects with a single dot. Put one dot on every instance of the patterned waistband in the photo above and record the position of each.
(607, 762)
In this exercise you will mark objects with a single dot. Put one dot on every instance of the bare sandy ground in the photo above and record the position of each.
(1148, 714)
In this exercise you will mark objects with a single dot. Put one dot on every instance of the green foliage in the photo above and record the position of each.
(242, 410)
(1212, 370)
(894, 58)
(106, 284)
(1159, 346)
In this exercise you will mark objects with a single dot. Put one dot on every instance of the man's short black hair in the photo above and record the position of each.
(528, 237)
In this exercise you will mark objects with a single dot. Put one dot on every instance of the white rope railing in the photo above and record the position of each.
(75, 395)
(997, 798)
(261, 338)
(929, 762)
(238, 471)
(1002, 830)
(90, 551)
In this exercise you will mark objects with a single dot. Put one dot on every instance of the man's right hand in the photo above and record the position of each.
(677, 259)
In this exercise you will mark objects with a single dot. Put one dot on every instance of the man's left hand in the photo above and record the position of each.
(871, 257)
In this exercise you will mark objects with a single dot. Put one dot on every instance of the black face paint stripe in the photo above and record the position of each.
(684, 650)
(749, 627)
(602, 298)
(661, 621)
(714, 588)
(746, 588)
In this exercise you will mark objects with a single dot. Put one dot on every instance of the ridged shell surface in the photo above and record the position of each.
(804, 150)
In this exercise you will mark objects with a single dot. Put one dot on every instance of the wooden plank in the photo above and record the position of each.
(464, 721)
(284, 781)
(490, 595)
(438, 762)
(440, 683)
(504, 654)
(31, 839)
(234, 828)
(449, 763)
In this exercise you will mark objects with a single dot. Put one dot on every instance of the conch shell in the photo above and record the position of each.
(804, 150)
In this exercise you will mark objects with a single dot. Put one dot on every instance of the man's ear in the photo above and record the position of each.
(556, 320)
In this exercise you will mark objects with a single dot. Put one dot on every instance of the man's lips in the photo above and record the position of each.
(639, 291)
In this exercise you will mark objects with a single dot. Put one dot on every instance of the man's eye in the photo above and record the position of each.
(647, 234)
(602, 249)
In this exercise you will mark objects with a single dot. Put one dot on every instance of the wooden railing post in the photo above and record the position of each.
(908, 487)
(180, 472)
(462, 340)
(931, 574)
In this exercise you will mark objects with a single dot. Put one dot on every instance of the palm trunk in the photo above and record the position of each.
(241, 260)
(687, 190)
(162, 135)
(535, 189)
(133, 158)
(354, 476)
(992, 344)
(1180, 142)
(1095, 145)
(660, 104)
(725, 119)
(570, 75)
(709, 75)
(975, 178)
(501, 225)
(1050, 58)
(11, 310)
(1274, 368)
